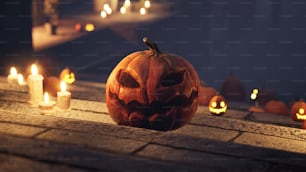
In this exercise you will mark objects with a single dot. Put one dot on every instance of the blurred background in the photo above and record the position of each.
(260, 42)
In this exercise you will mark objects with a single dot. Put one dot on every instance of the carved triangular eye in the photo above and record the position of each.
(173, 79)
(126, 80)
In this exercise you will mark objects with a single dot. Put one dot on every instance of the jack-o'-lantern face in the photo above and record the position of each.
(217, 105)
(297, 111)
(151, 89)
(67, 76)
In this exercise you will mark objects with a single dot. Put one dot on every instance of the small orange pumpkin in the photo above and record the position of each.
(67, 76)
(298, 110)
(217, 105)
(205, 94)
(276, 107)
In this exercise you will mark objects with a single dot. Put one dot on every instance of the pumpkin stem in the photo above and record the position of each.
(153, 47)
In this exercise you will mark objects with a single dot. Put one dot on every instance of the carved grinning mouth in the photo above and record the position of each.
(157, 115)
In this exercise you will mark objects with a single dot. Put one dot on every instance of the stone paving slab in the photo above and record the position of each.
(272, 142)
(249, 126)
(231, 149)
(206, 161)
(10, 163)
(284, 120)
(109, 143)
(207, 132)
(78, 157)
(86, 138)
(14, 129)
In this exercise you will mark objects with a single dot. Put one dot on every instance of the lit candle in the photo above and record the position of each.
(35, 84)
(13, 77)
(47, 104)
(142, 11)
(22, 85)
(63, 97)
(147, 4)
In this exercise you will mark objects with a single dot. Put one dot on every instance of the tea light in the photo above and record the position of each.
(63, 97)
(47, 104)
(13, 77)
(35, 84)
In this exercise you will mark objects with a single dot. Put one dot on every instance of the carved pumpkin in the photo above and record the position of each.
(217, 105)
(205, 94)
(304, 125)
(233, 89)
(67, 75)
(298, 111)
(152, 89)
(276, 107)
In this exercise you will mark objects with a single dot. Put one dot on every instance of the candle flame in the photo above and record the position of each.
(34, 69)
(147, 4)
(103, 14)
(13, 71)
(127, 3)
(142, 11)
(46, 97)
(63, 86)
(122, 10)
(20, 78)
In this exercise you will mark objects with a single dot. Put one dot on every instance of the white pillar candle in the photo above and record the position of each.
(12, 78)
(46, 105)
(35, 84)
(22, 85)
(63, 97)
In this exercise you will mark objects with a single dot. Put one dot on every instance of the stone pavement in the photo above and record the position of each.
(86, 139)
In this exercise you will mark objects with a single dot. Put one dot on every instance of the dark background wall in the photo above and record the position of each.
(262, 42)
(15, 32)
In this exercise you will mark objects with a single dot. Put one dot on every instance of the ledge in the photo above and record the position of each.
(86, 139)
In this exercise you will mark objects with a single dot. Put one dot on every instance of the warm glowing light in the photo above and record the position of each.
(13, 71)
(106, 6)
(222, 104)
(122, 10)
(147, 4)
(255, 91)
(214, 104)
(301, 111)
(34, 69)
(109, 11)
(127, 3)
(89, 27)
(63, 86)
(253, 96)
(103, 14)
(218, 111)
(20, 79)
(142, 11)
(46, 97)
